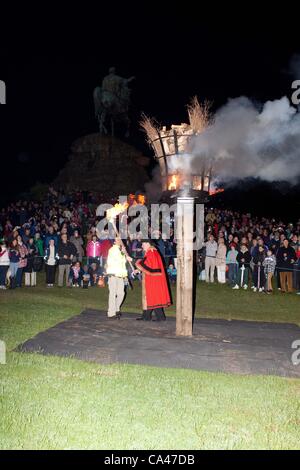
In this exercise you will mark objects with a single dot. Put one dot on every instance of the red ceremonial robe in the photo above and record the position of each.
(156, 286)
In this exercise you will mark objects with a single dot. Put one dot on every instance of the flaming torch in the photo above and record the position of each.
(111, 215)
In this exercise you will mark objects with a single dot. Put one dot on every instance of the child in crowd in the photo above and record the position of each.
(94, 272)
(232, 264)
(86, 277)
(269, 265)
(76, 273)
(172, 273)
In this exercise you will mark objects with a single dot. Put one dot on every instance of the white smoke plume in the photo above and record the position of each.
(245, 141)
(153, 188)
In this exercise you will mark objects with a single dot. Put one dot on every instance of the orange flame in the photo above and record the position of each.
(212, 192)
(116, 210)
(141, 199)
(134, 200)
(173, 183)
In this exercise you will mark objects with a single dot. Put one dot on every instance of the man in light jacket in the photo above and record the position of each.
(117, 273)
(210, 258)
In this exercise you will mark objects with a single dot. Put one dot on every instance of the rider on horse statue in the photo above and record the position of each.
(112, 101)
(117, 85)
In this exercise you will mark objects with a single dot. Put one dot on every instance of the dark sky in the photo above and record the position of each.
(50, 70)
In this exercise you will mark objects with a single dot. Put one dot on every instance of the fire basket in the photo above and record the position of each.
(172, 150)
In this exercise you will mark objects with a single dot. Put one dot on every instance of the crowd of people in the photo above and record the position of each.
(244, 250)
(58, 235)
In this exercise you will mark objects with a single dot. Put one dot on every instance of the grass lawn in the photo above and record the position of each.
(58, 403)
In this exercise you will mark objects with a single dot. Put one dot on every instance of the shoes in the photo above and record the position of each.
(260, 289)
(236, 287)
(114, 317)
(245, 286)
(254, 289)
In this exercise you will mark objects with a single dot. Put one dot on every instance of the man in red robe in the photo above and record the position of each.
(155, 290)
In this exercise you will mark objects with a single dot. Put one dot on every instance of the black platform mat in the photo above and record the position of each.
(217, 345)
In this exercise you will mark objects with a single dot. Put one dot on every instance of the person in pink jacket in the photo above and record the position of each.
(93, 251)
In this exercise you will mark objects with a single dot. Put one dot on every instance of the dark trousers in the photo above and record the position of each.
(3, 272)
(259, 278)
(159, 314)
(277, 275)
(50, 274)
(19, 277)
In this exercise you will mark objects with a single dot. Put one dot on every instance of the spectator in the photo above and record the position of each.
(258, 271)
(4, 263)
(243, 259)
(66, 253)
(86, 277)
(29, 269)
(51, 259)
(221, 261)
(50, 234)
(14, 256)
(23, 251)
(286, 258)
(94, 272)
(210, 259)
(269, 265)
(78, 243)
(231, 261)
(172, 273)
(93, 251)
(76, 274)
(40, 251)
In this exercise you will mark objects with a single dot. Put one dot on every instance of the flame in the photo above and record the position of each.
(116, 210)
(212, 192)
(134, 200)
(173, 183)
(197, 183)
(141, 199)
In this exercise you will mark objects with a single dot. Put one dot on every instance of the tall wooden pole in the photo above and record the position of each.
(184, 295)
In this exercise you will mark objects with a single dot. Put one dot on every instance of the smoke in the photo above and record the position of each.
(153, 188)
(247, 141)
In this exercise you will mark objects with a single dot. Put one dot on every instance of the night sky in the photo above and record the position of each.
(51, 70)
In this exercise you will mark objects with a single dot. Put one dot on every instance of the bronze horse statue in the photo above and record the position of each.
(112, 102)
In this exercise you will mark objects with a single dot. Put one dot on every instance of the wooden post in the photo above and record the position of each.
(184, 295)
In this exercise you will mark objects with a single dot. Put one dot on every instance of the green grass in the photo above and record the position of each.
(61, 403)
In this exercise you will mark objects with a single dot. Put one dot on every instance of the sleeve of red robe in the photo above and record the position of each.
(156, 286)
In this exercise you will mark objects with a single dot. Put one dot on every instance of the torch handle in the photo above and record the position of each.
(118, 235)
